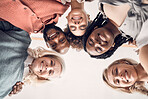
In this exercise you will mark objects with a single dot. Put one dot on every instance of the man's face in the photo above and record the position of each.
(57, 41)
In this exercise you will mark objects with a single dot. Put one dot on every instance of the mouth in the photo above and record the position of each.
(41, 66)
(127, 78)
(52, 35)
(76, 17)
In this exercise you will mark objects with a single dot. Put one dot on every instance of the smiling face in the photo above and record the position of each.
(57, 41)
(77, 21)
(46, 67)
(121, 75)
(100, 41)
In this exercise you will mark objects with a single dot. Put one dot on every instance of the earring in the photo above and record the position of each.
(113, 45)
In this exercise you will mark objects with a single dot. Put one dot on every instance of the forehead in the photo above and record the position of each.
(109, 74)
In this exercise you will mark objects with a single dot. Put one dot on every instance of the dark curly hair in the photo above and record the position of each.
(75, 41)
(99, 22)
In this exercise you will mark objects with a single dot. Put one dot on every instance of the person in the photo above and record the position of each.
(110, 31)
(126, 75)
(77, 18)
(14, 43)
(35, 14)
(56, 39)
(40, 66)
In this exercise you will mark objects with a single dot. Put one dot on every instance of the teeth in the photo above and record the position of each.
(52, 35)
(76, 18)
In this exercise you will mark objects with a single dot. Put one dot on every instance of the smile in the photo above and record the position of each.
(76, 17)
(126, 76)
(52, 35)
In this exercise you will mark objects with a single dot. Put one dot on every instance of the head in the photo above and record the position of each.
(55, 39)
(121, 74)
(99, 41)
(77, 21)
(48, 65)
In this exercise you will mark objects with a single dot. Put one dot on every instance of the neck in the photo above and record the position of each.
(142, 75)
(76, 5)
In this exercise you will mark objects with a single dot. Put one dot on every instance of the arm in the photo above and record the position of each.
(143, 56)
(145, 1)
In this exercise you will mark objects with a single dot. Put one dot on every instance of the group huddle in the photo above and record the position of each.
(117, 22)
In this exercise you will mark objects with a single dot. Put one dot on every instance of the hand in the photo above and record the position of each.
(16, 88)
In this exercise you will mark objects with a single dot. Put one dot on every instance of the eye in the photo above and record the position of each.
(52, 63)
(116, 71)
(98, 49)
(98, 34)
(50, 71)
(117, 81)
(73, 28)
(82, 27)
(90, 42)
(53, 45)
(62, 40)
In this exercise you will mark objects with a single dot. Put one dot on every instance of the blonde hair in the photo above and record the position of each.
(138, 86)
(38, 52)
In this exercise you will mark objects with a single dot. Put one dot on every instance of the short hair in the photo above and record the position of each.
(49, 27)
(99, 22)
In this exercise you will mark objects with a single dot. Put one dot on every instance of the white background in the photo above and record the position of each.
(83, 75)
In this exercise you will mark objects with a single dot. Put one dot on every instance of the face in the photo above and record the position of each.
(122, 75)
(57, 41)
(77, 21)
(100, 41)
(46, 67)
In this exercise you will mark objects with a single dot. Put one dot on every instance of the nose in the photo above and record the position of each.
(120, 77)
(56, 40)
(76, 21)
(97, 44)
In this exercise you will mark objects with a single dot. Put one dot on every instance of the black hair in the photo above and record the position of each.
(99, 22)
(75, 41)
(47, 28)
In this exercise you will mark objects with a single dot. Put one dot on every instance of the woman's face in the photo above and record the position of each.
(122, 75)
(100, 41)
(46, 67)
(77, 21)
(57, 41)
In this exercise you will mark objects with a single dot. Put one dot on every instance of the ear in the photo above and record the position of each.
(67, 17)
(88, 17)
(29, 66)
(47, 44)
(113, 45)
